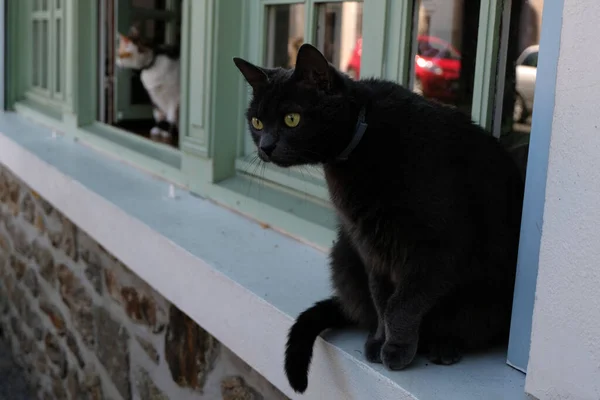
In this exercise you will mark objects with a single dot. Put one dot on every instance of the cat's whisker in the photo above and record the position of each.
(253, 164)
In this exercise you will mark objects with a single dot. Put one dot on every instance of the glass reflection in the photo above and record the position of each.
(339, 34)
(285, 34)
(514, 124)
(444, 48)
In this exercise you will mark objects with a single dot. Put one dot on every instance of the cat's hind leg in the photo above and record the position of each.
(473, 318)
(172, 118)
(428, 275)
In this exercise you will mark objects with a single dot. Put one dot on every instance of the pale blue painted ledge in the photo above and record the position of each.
(286, 273)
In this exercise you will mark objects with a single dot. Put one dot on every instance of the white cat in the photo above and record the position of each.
(160, 75)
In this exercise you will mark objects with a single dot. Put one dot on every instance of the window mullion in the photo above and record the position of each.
(376, 18)
(69, 52)
(51, 43)
(40, 53)
(485, 66)
(310, 23)
(496, 124)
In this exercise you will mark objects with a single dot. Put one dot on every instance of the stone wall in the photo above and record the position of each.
(84, 326)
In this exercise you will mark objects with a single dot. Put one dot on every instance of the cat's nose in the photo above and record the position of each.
(267, 144)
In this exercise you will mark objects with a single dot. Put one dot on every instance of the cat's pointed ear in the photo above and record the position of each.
(313, 68)
(254, 75)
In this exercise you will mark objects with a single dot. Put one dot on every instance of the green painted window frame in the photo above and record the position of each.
(46, 62)
(214, 97)
(49, 62)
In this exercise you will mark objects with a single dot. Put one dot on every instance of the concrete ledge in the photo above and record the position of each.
(242, 283)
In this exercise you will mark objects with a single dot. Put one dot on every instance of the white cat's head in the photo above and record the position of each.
(132, 52)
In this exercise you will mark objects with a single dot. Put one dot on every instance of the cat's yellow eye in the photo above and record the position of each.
(292, 120)
(257, 124)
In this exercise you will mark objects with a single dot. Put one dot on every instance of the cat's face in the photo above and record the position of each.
(298, 116)
(131, 51)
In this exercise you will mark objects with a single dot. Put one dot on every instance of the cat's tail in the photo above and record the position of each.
(323, 315)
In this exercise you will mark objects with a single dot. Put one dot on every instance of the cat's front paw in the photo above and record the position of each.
(396, 356)
(373, 349)
(444, 352)
(157, 132)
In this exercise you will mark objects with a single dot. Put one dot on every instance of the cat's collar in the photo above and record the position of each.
(150, 64)
(359, 131)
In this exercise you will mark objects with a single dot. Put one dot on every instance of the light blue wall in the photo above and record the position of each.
(535, 186)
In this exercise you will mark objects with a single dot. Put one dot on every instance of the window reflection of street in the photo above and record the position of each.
(339, 28)
(444, 49)
(520, 77)
(285, 34)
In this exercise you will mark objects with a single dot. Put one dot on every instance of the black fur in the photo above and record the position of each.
(429, 207)
(171, 51)
(323, 315)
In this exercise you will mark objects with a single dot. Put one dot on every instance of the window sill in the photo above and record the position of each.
(158, 159)
(198, 254)
(160, 152)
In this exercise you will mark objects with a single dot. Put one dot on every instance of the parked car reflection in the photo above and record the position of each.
(437, 68)
(525, 85)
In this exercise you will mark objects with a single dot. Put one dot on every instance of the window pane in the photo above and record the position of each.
(285, 34)
(520, 77)
(44, 40)
(444, 49)
(155, 30)
(58, 46)
(339, 34)
(35, 54)
(150, 4)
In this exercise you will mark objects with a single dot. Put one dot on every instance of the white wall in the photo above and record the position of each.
(565, 350)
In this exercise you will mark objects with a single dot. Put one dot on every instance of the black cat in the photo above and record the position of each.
(429, 207)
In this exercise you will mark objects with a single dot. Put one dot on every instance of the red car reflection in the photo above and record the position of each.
(437, 68)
